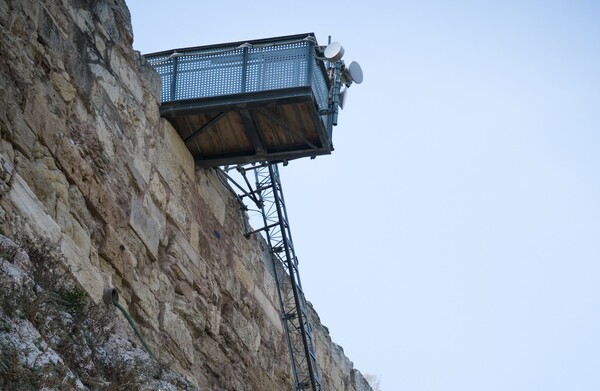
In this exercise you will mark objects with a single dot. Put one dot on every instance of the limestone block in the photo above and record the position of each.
(243, 275)
(178, 149)
(166, 166)
(86, 274)
(81, 239)
(62, 84)
(214, 318)
(22, 135)
(79, 111)
(270, 308)
(179, 271)
(195, 236)
(142, 165)
(157, 190)
(269, 286)
(151, 108)
(126, 74)
(36, 114)
(78, 208)
(185, 289)
(82, 18)
(151, 79)
(106, 135)
(59, 17)
(164, 282)
(247, 330)
(102, 198)
(106, 16)
(176, 328)
(178, 212)
(30, 207)
(100, 42)
(146, 302)
(63, 218)
(193, 313)
(49, 32)
(113, 249)
(8, 153)
(136, 176)
(148, 221)
(232, 285)
(48, 182)
(107, 82)
(212, 198)
(73, 165)
(196, 263)
(32, 173)
(216, 358)
(158, 283)
(172, 160)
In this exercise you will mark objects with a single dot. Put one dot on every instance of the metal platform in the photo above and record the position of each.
(246, 102)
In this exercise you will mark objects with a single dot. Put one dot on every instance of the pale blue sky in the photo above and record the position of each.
(452, 240)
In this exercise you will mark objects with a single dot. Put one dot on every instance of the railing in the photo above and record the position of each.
(253, 66)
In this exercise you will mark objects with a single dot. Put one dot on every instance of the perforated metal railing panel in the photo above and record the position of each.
(320, 87)
(217, 71)
(276, 67)
(203, 75)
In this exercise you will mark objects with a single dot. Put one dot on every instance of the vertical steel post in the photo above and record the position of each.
(310, 63)
(174, 81)
(244, 69)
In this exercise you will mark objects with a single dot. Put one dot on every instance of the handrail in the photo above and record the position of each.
(201, 72)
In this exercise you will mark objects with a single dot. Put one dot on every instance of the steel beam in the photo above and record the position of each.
(204, 127)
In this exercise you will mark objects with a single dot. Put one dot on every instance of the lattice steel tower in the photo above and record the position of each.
(266, 194)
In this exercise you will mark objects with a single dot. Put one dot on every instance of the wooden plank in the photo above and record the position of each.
(268, 127)
(252, 132)
(306, 123)
(276, 130)
(294, 131)
(222, 140)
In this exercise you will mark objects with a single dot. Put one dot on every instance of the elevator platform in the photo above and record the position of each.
(264, 100)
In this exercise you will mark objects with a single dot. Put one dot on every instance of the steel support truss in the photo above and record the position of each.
(267, 196)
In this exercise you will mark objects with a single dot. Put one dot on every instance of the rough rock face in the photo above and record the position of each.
(53, 337)
(88, 164)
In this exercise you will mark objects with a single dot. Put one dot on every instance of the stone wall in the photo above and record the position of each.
(88, 163)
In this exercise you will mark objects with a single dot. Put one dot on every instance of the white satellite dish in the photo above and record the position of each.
(334, 51)
(355, 71)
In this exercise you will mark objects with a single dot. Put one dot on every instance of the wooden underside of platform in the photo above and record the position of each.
(276, 125)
